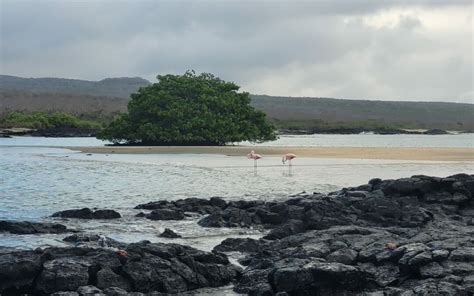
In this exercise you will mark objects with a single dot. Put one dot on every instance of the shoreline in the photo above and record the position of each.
(388, 153)
(345, 241)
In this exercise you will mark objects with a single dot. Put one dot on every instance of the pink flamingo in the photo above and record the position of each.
(288, 157)
(255, 157)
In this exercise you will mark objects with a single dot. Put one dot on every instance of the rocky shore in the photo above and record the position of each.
(411, 236)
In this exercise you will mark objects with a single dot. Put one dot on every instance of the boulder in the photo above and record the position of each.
(439, 255)
(165, 214)
(168, 233)
(63, 274)
(254, 282)
(432, 270)
(346, 256)
(195, 205)
(230, 217)
(93, 240)
(291, 227)
(218, 202)
(247, 245)
(384, 275)
(87, 213)
(107, 278)
(19, 269)
(106, 214)
(463, 254)
(26, 227)
(318, 276)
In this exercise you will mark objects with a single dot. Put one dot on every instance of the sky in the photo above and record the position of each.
(417, 50)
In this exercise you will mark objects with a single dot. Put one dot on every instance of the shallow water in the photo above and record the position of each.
(372, 140)
(42, 141)
(316, 140)
(36, 182)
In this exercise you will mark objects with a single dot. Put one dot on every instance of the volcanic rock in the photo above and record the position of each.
(168, 233)
(165, 214)
(87, 213)
(145, 267)
(26, 227)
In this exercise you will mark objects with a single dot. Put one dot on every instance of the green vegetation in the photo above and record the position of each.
(46, 120)
(321, 125)
(189, 109)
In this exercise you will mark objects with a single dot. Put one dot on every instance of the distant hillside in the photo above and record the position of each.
(109, 96)
(78, 104)
(411, 114)
(113, 87)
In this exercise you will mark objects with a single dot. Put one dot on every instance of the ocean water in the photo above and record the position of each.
(36, 181)
(372, 140)
(316, 140)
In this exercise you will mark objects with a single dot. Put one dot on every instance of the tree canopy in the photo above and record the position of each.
(189, 109)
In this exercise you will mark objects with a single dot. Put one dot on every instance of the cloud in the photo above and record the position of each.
(403, 50)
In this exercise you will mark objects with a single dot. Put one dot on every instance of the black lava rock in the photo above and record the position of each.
(168, 233)
(87, 213)
(26, 227)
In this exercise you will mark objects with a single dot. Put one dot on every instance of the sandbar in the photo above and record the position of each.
(394, 153)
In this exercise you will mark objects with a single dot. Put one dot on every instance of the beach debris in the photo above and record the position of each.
(391, 246)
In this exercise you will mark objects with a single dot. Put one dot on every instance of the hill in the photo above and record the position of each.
(79, 104)
(109, 96)
(113, 87)
(456, 116)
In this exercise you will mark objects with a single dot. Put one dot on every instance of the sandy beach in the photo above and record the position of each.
(431, 153)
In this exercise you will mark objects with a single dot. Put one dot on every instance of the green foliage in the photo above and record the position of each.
(189, 109)
(46, 120)
(321, 125)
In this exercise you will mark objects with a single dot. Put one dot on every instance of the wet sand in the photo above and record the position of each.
(394, 153)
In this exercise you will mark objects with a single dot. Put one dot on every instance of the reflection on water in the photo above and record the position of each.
(35, 182)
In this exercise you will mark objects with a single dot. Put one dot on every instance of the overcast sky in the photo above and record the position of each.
(385, 50)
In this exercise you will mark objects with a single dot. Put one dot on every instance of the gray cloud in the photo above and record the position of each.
(352, 49)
